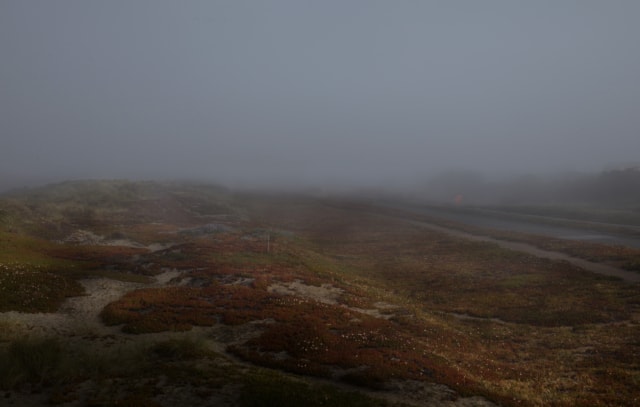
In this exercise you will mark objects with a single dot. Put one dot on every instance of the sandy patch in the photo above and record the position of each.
(79, 316)
(326, 293)
(382, 310)
(86, 237)
(166, 277)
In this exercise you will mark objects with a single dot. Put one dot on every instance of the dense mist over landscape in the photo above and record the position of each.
(620, 187)
(318, 94)
(354, 203)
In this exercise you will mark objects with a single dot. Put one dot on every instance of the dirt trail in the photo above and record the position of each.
(598, 268)
(78, 316)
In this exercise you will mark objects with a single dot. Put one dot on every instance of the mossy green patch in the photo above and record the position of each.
(30, 288)
(266, 390)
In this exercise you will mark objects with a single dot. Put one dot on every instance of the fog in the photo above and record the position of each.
(301, 93)
(615, 187)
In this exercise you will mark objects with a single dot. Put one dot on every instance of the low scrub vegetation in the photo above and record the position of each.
(325, 290)
(262, 390)
(31, 288)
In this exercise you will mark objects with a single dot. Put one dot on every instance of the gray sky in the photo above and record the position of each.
(316, 91)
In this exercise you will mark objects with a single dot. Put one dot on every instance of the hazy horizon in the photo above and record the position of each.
(295, 93)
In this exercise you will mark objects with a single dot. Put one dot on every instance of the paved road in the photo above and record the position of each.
(528, 226)
(598, 268)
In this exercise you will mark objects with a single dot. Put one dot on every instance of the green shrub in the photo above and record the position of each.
(30, 360)
(276, 391)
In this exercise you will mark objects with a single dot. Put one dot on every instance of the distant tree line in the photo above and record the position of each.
(611, 187)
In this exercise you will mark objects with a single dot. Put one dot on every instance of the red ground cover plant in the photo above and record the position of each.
(304, 336)
(105, 255)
